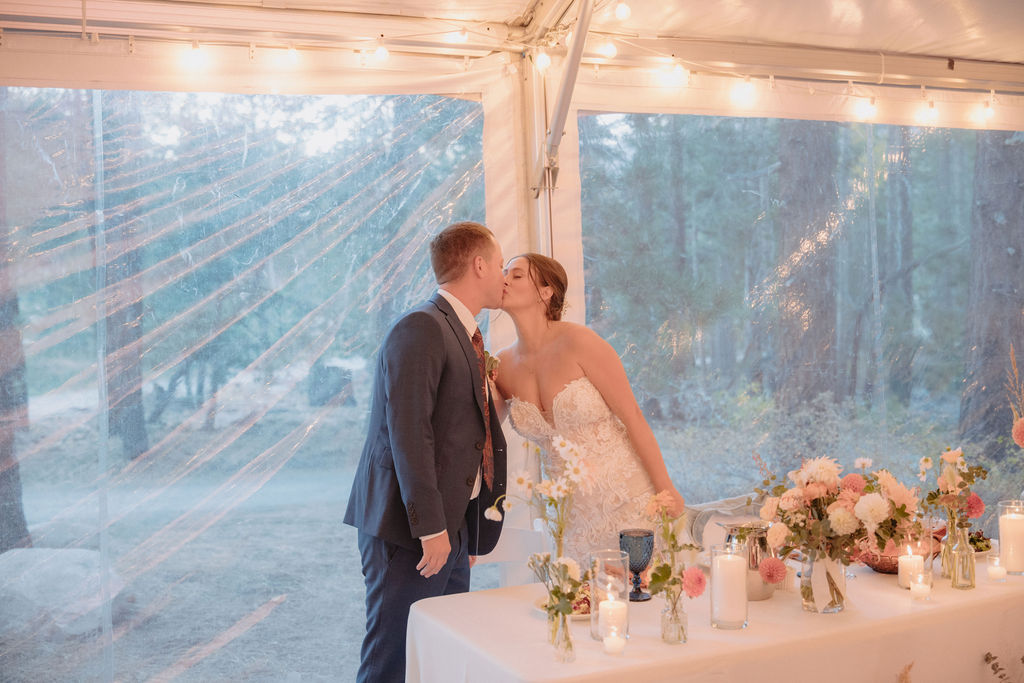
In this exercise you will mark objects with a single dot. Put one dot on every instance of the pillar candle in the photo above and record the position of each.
(907, 565)
(1011, 541)
(728, 591)
(611, 617)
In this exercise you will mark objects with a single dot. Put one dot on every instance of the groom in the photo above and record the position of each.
(434, 457)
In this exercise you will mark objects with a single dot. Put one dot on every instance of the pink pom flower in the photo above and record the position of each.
(694, 582)
(1018, 432)
(853, 482)
(772, 570)
(975, 506)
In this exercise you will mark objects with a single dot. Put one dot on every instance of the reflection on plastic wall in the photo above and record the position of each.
(229, 269)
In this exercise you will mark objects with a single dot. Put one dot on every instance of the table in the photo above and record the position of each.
(498, 636)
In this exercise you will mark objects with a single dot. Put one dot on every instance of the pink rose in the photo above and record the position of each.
(953, 456)
(694, 582)
(853, 482)
(975, 506)
(792, 499)
(772, 570)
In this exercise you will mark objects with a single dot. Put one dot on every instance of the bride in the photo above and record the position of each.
(563, 379)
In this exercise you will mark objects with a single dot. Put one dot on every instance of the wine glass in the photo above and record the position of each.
(638, 544)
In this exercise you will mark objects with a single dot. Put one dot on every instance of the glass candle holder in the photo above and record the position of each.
(921, 586)
(1011, 535)
(728, 586)
(996, 569)
(609, 572)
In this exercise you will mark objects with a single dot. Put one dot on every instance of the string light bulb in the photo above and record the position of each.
(195, 57)
(674, 75)
(542, 61)
(865, 109)
(622, 11)
(743, 93)
(381, 53)
(983, 113)
(927, 114)
(608, 50)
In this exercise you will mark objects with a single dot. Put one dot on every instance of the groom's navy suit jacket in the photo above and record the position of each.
(425, 438)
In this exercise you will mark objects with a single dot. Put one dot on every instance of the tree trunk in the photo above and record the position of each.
(995, 310)
(806, 335)
(123, 291)
(902, 345)
(13, 388)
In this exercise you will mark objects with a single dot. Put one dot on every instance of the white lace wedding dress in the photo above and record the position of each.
(619, 487)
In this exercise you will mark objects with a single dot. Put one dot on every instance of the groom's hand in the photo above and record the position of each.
(435, 554)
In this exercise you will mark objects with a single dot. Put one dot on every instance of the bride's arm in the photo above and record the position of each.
(496, 390)
(603, 368)
(499, 400)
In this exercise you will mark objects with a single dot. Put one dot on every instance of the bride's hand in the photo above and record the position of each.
(677, 506)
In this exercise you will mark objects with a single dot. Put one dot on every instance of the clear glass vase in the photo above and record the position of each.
(946, 558)
(560, 637)
(961, 559)
(673, 620)
(822, 584)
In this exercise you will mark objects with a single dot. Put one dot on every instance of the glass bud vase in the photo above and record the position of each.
(962, 560)
(673, 620)
(822, 584)
(946, 558)
(561, 637)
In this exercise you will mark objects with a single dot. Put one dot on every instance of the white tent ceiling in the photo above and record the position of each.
(820, 38)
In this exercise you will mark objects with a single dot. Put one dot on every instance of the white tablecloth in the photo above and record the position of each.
(498, 635)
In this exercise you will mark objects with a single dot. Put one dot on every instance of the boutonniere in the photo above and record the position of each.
(491, 364)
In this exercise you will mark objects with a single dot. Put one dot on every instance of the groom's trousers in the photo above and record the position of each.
(392, 585)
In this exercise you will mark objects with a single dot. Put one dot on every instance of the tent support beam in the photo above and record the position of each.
(547, 163)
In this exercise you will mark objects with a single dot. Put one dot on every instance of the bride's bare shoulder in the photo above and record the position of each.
(577, 334)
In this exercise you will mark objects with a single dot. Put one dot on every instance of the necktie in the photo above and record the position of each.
(488, 465)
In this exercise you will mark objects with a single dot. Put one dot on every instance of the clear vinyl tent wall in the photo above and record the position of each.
(201, 282)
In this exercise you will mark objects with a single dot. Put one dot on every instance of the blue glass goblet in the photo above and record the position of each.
(638, 544)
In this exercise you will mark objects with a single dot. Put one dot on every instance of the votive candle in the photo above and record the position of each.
(728, 587)
(921, 585)
(1011, 535)
(614, 644)
(996, 569)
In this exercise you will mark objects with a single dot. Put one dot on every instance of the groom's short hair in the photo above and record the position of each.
(452, 249)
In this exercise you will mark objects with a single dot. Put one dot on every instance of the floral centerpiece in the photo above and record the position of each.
(670, 576)
(828, 518)
(563, 580)
(954, 496)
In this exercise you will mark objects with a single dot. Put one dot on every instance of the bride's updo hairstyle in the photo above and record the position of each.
(547, 272)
